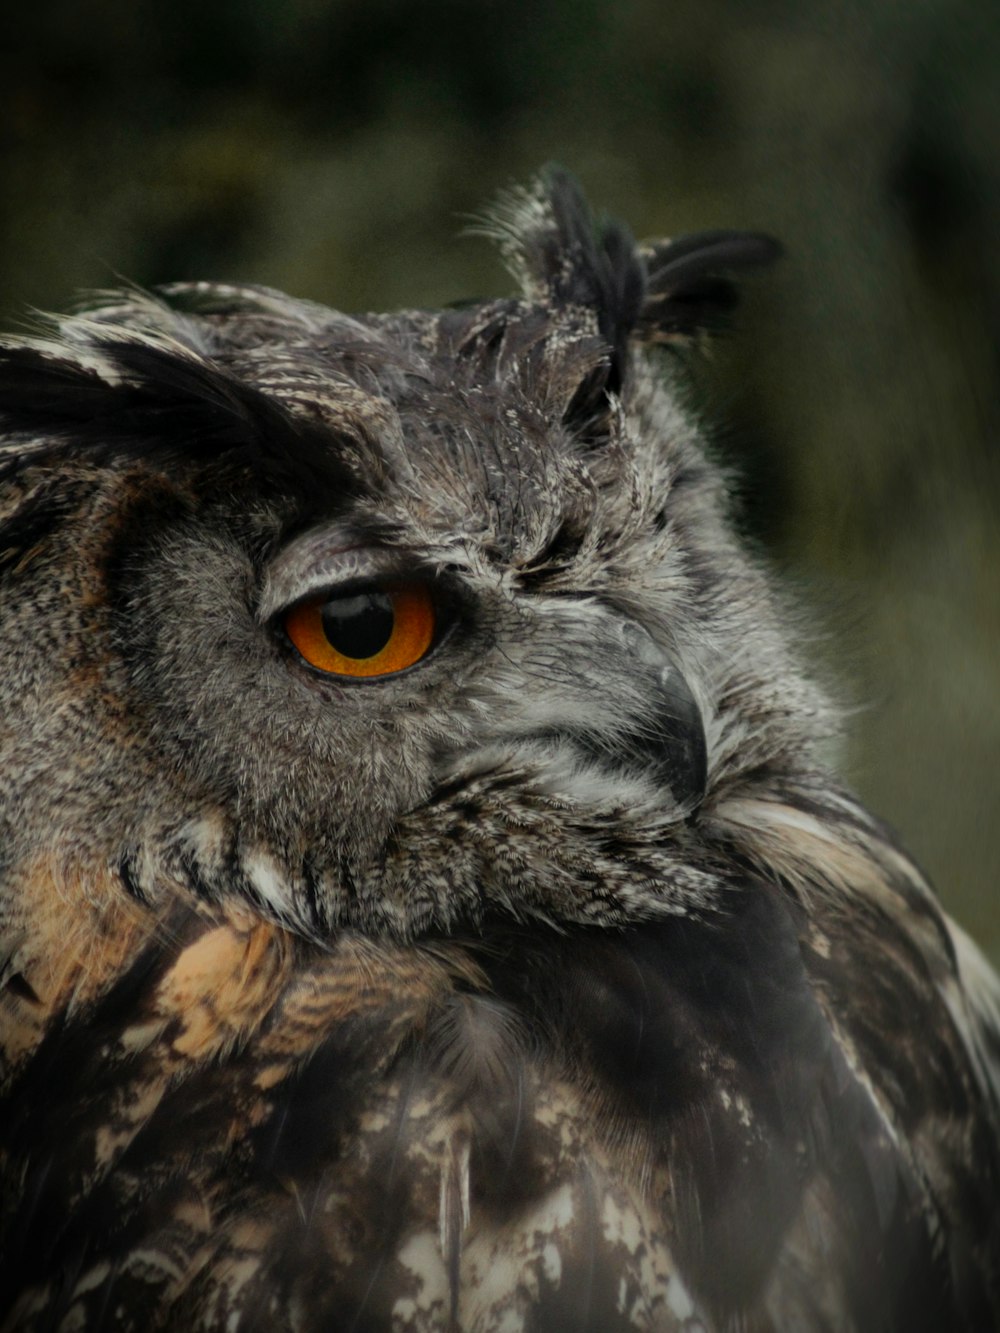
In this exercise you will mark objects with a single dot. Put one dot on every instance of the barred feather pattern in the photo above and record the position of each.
(552, 983)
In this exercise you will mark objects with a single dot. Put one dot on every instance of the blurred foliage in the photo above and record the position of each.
(335, 148)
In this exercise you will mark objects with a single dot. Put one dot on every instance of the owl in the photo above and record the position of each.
(424, 903)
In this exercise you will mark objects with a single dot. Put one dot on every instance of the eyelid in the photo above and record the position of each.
(318, 562)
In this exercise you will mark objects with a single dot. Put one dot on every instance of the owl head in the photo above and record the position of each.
(389, 621)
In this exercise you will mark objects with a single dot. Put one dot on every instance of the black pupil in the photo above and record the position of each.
(359, 625)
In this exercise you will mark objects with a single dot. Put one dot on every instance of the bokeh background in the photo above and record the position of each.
(334, 148)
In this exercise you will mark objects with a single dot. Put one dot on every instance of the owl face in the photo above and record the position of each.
(359, 596)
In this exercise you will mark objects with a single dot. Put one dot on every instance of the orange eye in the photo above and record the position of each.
(371, 631)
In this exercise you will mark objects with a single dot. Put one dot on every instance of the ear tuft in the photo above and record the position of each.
(565, 258)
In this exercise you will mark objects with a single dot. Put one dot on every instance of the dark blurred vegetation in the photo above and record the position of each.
(333, 148)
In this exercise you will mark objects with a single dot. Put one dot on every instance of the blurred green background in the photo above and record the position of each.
(334, 147)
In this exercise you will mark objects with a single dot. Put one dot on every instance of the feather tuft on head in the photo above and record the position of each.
(566, 258)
